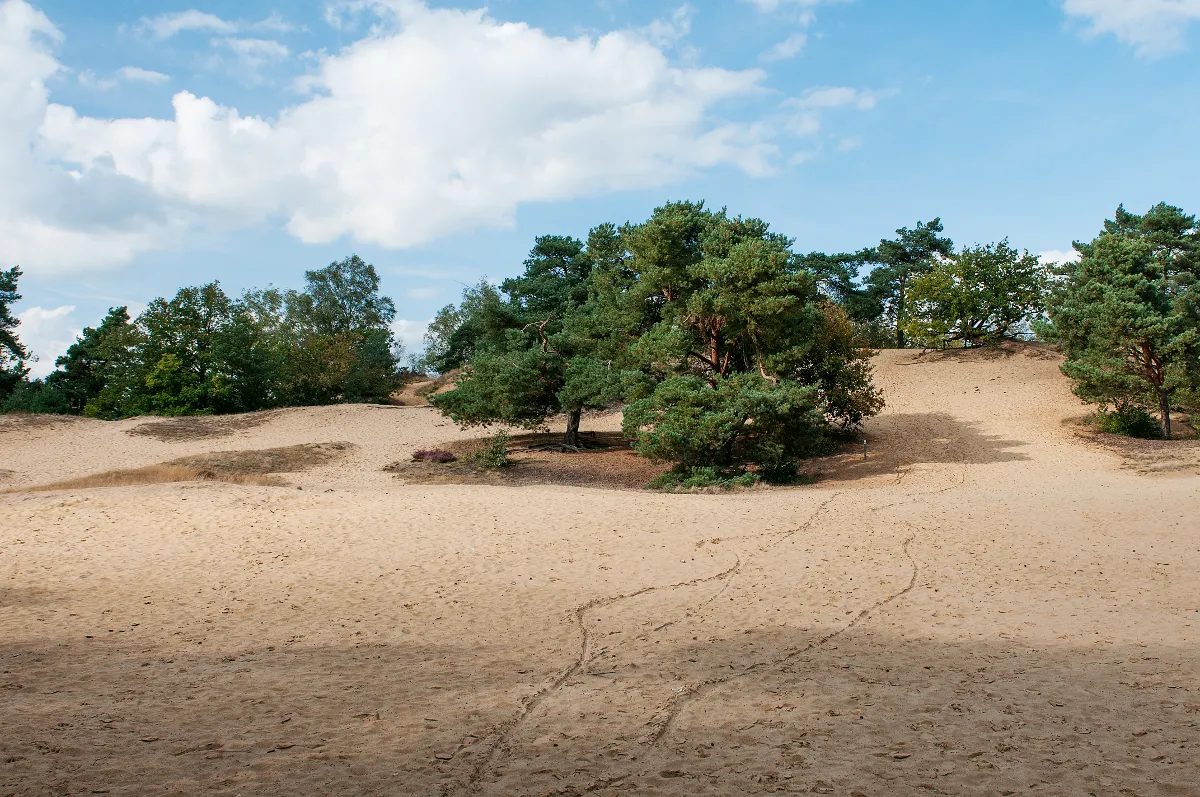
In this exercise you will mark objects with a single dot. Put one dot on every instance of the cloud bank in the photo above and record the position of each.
(436, 121)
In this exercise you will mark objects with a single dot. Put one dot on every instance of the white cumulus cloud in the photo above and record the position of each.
(1153, 27)
(436, 121)
(47, 333)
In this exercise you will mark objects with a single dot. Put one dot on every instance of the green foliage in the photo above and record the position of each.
(723, 340)
(201, 352)
(12, 354)
(979, 295)
(897, 262)
(515, 386)
(33, 396)
(684, 478)
(743, 419)
(481, 319)
(754, 361)
(1128, 420)
(493, 455)
(1127, 315)
(541, 347)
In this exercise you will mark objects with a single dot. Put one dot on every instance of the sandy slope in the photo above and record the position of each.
(984, 606)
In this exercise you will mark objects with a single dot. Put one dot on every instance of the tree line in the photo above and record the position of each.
(729, 351)
(202, 352)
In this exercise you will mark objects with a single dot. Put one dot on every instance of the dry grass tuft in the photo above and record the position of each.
(19, 421)
(201, 427)
(1179, 455)
(289, 459)
(152, 474)
(230, 467)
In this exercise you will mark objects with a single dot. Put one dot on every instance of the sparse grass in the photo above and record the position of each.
(151, 474)
(202, 427)
(255, 467)
(17, 421)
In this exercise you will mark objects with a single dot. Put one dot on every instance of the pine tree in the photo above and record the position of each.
(1127, 314)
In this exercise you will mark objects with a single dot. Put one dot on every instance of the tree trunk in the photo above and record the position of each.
(571, 437)
(900, 316)
(1164, 409)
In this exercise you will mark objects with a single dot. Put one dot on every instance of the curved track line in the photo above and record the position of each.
(676, 705)
(501, 733)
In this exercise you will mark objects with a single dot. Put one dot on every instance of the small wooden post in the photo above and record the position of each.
(864, 448)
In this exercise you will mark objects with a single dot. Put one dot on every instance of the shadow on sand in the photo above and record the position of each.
(900, 441)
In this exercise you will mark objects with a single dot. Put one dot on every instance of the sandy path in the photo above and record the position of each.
(983, 607)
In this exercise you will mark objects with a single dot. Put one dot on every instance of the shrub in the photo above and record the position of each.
(433, 455)
(684, 478)
(494, 454)
(1128, 420)
(742, 420)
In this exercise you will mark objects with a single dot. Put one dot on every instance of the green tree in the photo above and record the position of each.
(177, 346)
(481, 318)
(339, 329)
(912, 253)
(1127, 314)
(87, 367)
(981, 294)
(12, 354)
(535, 349)
(754, 360)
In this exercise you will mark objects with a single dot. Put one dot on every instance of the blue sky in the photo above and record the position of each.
(153, 144)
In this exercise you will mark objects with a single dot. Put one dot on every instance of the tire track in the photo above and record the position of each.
(503, 732)
(661, 725)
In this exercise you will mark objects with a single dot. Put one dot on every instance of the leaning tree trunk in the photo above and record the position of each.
(571, 437)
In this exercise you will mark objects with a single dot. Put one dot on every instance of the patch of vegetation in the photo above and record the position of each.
(433, 455)
(203, 352)
(494, 453)
(233, 467)
(1128, 420)
(700, 478)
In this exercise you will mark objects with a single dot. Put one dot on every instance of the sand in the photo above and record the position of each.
(988, 605)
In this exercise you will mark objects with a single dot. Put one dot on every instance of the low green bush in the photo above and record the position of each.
(683, 478)
(494, 454)
(1129, 420)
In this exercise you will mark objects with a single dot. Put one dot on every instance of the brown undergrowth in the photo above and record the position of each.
(256, 467)
(1178, 456)
(200, 427)
(607, 462)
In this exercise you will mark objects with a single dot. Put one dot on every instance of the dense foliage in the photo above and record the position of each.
(714, 332)
(978, 295)
(1127, 314)
(202, 352)
(12, 353)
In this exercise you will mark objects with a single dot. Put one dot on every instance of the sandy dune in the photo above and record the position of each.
(987, 605)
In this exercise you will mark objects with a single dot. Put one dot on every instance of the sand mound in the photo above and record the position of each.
(988, 604)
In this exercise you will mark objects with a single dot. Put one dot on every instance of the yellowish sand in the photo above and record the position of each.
(987, 605)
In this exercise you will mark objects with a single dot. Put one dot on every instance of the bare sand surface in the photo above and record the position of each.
(987, 605)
